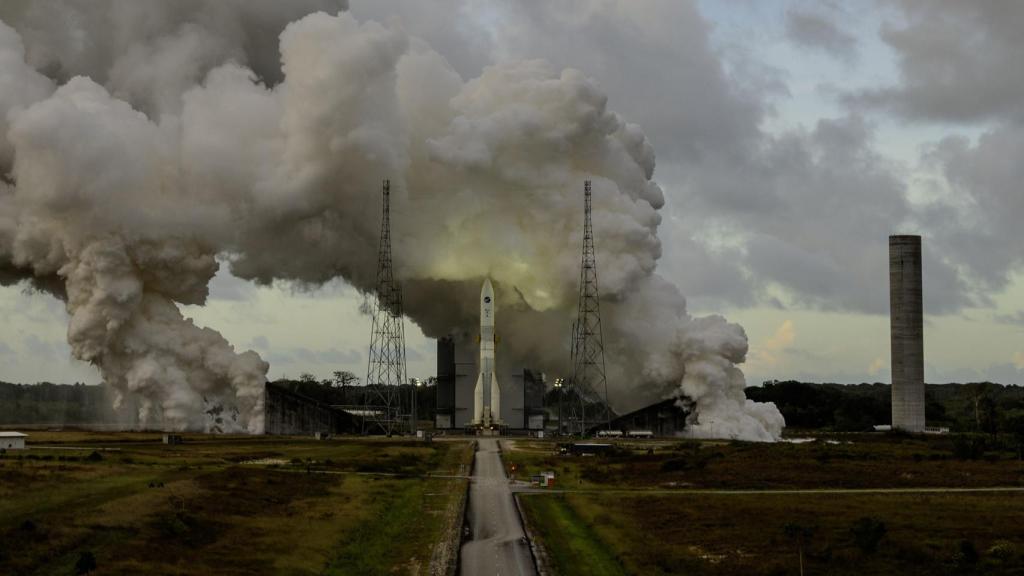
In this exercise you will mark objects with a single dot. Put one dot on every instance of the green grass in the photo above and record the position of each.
(388, 532)
(636, 510)
(571, 544)
(729, 534)
(404, 523)
(198, 508)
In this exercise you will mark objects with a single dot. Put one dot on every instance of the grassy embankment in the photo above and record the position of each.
(204, 507)
(676, 530)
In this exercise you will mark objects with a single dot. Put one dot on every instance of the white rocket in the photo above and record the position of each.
(487, 395)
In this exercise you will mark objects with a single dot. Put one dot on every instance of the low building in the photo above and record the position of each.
(12, 440)
(290, 413)
(664, 418)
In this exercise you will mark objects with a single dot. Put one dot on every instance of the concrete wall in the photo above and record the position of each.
(444, 401)
(907, 333)
(12, 443)
(457, 357)
(286, 412)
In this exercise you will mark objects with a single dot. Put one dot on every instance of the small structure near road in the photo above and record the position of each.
(172, 439)
(12, 440)
(543, 480)
(585, 448)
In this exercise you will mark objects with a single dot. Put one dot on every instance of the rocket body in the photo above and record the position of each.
(487, 394)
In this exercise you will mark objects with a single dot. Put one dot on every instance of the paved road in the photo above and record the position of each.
(498, 545)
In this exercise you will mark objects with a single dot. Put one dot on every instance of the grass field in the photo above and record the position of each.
(596, 533)
(226, 505)
(839, 461)
(664, 508)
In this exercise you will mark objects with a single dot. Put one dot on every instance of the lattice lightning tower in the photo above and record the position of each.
(385, 376)
(588, 341)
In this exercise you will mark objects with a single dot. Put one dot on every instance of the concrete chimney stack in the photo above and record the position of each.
(906, 333)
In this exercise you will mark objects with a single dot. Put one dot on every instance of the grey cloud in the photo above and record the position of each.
(812, 30)
(306, 356)
(260, 341)
(711, 278)
(44, 350)
(807, 210)
(1016, 319)
(813, 212)
(414, 355)
(152, 50)
(980, 217)
(277, 357)
(958, 61)
(225, 286)
(448, 26)
(656, 63)
(338, 356)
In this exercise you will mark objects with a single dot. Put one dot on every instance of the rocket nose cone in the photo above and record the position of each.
(487, 290)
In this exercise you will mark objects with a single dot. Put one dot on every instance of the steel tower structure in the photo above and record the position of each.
(385, 374)
(588, 376)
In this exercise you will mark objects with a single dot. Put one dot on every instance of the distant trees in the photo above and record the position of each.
(345, 378)
(1013, 423)
(56, 404)
(982, 407)
(836, 406)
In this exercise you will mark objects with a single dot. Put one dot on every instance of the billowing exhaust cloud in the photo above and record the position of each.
(135, 158)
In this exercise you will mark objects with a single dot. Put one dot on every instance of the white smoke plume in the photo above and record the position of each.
(143, 140)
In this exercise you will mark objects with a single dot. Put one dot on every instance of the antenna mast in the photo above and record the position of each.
(385, 375)
(588, 341)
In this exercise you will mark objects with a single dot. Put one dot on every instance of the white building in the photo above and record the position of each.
(12, 440)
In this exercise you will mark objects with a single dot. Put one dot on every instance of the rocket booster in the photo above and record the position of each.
(487, 395)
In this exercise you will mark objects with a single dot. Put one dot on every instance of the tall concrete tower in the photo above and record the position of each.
(906, 333)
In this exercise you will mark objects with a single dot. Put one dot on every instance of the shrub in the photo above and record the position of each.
(969, 446)
(94, 457)
(868, 533)
(1002, 550)
(966, 554)
(86, 563)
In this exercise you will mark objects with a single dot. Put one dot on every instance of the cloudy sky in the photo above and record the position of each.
(791, 137)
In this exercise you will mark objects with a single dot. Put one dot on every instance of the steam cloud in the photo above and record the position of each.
(143, 141)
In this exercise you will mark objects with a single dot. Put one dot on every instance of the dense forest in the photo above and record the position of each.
(975, 407)
(48, 404)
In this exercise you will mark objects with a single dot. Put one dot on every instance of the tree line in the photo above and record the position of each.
(977, 407)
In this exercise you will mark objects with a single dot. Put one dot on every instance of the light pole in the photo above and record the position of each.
(558, 386)
(415, 395)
